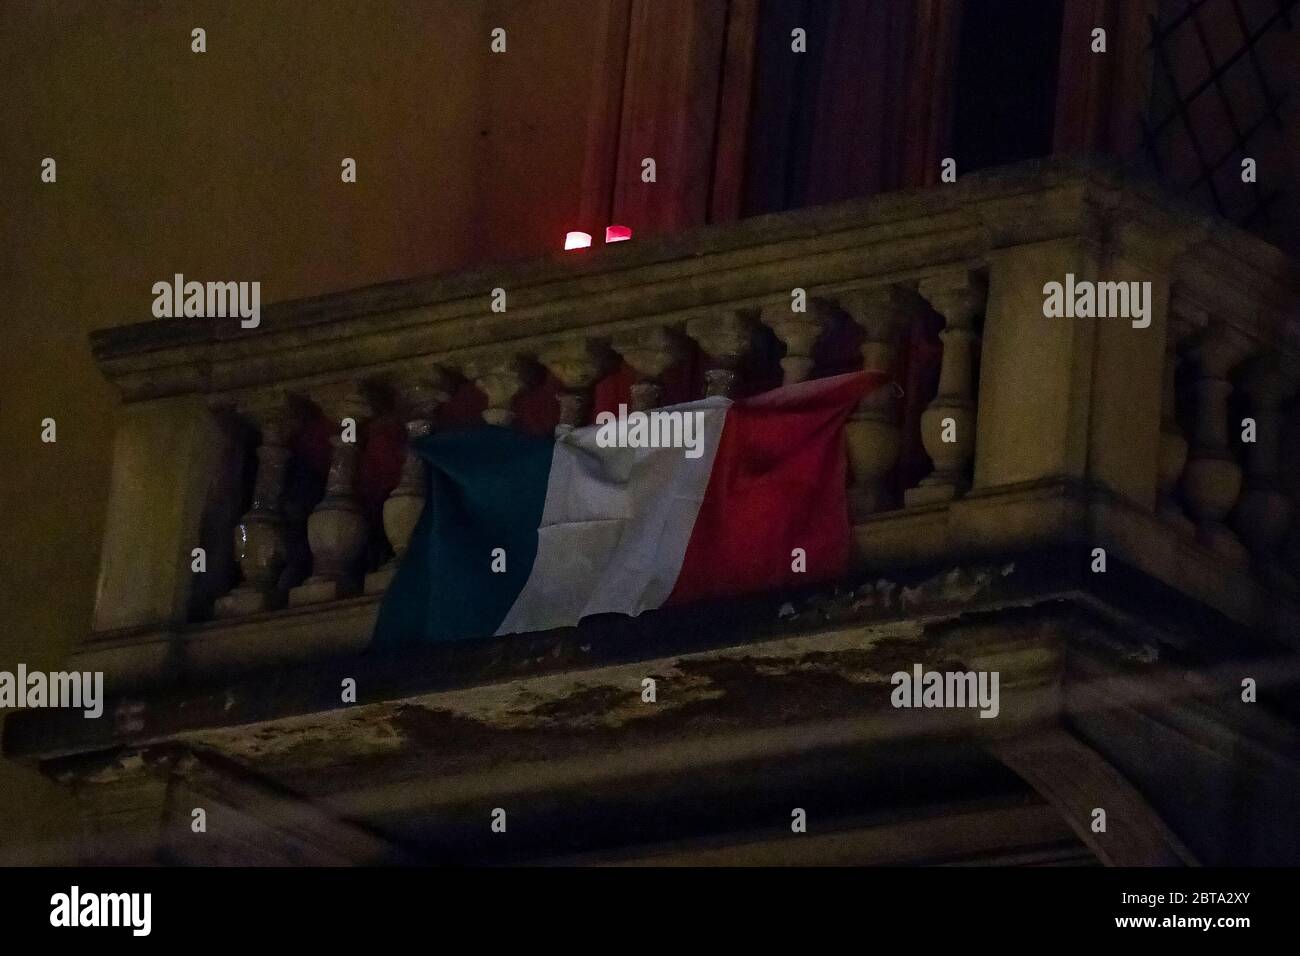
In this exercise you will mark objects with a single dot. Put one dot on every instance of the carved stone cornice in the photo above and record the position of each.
(733, 267)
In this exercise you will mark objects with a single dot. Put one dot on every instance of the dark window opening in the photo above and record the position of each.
(1005, 105)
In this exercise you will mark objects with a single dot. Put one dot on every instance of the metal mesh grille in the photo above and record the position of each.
(1214, 104)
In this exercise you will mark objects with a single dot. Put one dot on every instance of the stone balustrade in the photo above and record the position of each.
(1037, 430)
(1237, 399)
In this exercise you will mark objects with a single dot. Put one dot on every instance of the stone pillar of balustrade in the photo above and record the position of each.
(725, 338)
(1264, 513)
(418, 396)
(959, 297)
(798, 332)
(872, 434)
(165, 452)
(260, 543)
(500, 378)
(1212, 479)
(577, 365)
(649, 353)
(337, 529)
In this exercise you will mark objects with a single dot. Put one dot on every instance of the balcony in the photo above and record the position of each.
(1085, 464)
(1069, 431)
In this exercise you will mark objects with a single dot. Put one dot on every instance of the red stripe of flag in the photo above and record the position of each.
(778, 483)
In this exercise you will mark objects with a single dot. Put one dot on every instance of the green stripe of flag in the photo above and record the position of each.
(487, 489)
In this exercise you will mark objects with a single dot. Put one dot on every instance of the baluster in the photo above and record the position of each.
(872, 434)
(577, 364)
(1264, 513)
(1212, 478)
(799, 332)
(649, 353)
(418, 397)
(725, 339)
(958, 297)
(337, 529)
(501, 379)
(259, 538)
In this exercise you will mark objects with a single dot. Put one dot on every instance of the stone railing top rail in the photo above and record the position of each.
(895, 237)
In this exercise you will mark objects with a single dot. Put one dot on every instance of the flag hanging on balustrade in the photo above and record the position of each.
(705, 499)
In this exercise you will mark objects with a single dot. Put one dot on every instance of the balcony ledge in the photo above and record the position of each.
(290, 664)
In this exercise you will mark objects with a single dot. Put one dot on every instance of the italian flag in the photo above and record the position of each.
(521, 533)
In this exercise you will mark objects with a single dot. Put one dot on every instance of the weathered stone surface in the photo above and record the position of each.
(782, 693)
(675, 277)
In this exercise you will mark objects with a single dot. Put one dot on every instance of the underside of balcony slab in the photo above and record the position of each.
(758, 708)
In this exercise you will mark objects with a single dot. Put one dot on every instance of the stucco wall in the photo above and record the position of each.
(225, 165)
